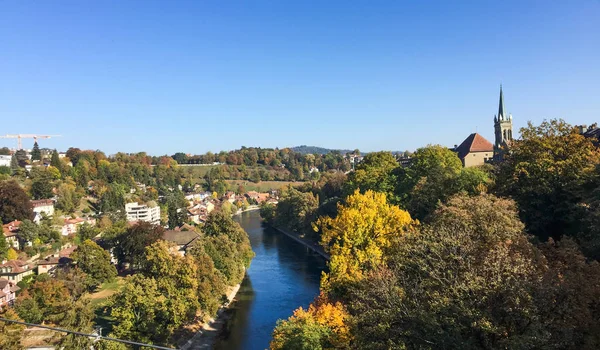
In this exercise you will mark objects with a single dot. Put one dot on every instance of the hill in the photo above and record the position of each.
(317, 150)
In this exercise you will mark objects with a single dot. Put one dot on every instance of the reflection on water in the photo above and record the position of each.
(283, 276)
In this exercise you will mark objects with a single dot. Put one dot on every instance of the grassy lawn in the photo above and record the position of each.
(98, 301)
(98, 298)
(262, 186)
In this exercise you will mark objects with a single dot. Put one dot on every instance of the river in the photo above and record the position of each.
(283, 276)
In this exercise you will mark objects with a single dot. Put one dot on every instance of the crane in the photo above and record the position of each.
(26, 136)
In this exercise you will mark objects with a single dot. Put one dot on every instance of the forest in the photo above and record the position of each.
(435, 256)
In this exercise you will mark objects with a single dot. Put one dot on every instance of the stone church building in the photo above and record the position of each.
(476, 150)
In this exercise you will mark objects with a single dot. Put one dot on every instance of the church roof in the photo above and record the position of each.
(474, 143)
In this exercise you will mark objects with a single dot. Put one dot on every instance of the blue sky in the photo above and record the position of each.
(196, 76)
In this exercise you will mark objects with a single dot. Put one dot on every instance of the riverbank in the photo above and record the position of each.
(206, 337)
(315, 247)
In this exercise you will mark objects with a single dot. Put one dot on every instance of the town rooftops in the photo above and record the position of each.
(474, 143)
(180, 238)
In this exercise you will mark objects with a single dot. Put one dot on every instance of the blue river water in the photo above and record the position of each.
(283, 276)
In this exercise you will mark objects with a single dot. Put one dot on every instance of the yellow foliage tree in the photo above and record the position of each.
(357, 237)
(11, 254)
(325, 325)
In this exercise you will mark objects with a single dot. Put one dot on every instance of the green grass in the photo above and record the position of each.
(99, 298)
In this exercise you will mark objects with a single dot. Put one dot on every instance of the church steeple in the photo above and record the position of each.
(501, 113)
(502, 128)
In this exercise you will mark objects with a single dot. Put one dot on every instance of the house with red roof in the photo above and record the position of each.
(475, 150)
(10, 233)
(15, 270)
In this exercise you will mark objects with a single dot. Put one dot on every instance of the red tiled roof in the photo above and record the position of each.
(41, 202)
(474, 143)
(17, 266)
(10, 228)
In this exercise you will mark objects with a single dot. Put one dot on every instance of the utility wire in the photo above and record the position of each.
(95, 336)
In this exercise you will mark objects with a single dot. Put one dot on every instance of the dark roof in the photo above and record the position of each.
(180, 237)
(474, 143)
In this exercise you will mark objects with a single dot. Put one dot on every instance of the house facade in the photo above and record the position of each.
(45, 206)
(15, 270)
(8, 290)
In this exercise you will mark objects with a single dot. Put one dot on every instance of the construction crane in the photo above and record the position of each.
(26, 136)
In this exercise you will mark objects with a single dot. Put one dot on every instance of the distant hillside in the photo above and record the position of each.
(317, 150)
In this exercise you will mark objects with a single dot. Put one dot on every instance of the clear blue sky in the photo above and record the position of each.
(203, 75)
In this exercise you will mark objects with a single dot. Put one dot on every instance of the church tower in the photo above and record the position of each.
(502, 128)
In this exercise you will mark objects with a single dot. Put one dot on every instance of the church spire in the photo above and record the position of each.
(501, 115)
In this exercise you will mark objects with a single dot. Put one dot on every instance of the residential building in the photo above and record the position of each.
(142, 212)
(15, 270)
(40, 206)
(230, 196)
(475, 150)
(8, 290)
(502, 129)
(10, 233)
(5, 160)
(70, 225)
(181, 239)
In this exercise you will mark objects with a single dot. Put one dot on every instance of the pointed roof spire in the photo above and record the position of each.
(501, 115)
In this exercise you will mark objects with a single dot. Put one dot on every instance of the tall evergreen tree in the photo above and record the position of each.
(55, 161)
(36, 154)
(14, 163)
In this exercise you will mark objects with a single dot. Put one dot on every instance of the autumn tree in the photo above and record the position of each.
(14, 202)
(324, 325)
(95, 262)
(358, 237)
(10, 333)
(472, 279)
(68, 196)
(130, 246)
(11, 254)
(544, 172)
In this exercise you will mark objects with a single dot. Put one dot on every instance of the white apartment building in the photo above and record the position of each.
(40, 206)
(5, 160)
(142, 212)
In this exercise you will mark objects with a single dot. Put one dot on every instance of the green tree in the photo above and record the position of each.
(55, 161)
(45, 300)
(377, 172)
(130, 246)
(95, 262)
(177, 209)
(296, 210)
(14, 163)
(28, 231)
(14, 202)
(42, 183)
(544, 172)
(35, 153)
(68, 197)
(3, 247)
(87, 232)
(436, 173)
